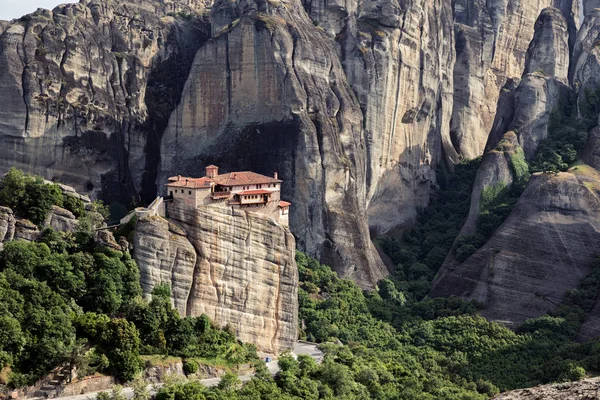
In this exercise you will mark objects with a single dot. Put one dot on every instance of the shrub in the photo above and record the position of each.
(190, 367)
(29, 196)
(74, 205)
(465, 251)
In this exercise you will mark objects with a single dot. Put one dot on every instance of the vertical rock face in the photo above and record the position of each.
(268, 93)
(541, 251)
(492, 40)
(585, 64)
(428, 86)
(399, 59)
(548, 52)
(524, 111)
(239, 269)
(77, 90)
(164, 255)
(519, 274)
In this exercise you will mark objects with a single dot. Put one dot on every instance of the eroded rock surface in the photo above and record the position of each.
(525, 109)
(84, 86)
(267, 93)
(238, 268)
(586, 389)
(164, 255)
(585, 64)
(61, 220)
(26, 230)
(492, 40)
(542, 250)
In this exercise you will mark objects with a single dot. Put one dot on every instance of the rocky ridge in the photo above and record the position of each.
(544, 248)
(546, 245)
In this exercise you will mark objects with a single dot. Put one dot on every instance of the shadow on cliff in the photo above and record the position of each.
(163, 94)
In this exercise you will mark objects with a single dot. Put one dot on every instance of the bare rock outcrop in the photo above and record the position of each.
(236, 267)
(105, 238)
(585, 389)
(525, 110)
(61, 220)
(7, 224)
(542, 250)
(585, 63)
(429, 84)
(164, 255)
(496, 169)
(492, 40)
(268, 93)
(86, 85)
(14, 228)
(548, 53)
(399, 57)
(26, 230)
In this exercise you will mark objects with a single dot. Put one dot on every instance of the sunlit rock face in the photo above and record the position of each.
(236, 267)
(268, 93)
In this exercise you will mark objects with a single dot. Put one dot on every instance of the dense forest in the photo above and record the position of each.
(432, 349)
(66, 299)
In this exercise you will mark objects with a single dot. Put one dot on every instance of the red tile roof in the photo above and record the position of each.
(192, 183)
(229, 179)
(284, 204)
(256, 191)
(243, 178)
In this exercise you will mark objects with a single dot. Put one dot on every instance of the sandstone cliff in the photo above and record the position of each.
(492, 41)
(164, 255)
(238, 268)
(267, 93)
(546, 245)
(355, 104)
(83, 87)
(542, 250)
(524, 110)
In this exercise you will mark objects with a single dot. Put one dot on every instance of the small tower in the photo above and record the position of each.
(212, 171)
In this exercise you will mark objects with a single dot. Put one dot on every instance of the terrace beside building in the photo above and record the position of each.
(243, 190)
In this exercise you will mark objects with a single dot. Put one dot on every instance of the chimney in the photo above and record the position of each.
(275, 175)
(212, 171)
(178, 178)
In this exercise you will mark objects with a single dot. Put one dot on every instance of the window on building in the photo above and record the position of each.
(171, 193)
(190, 192)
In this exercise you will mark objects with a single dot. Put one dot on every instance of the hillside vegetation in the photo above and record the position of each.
(65, 299)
